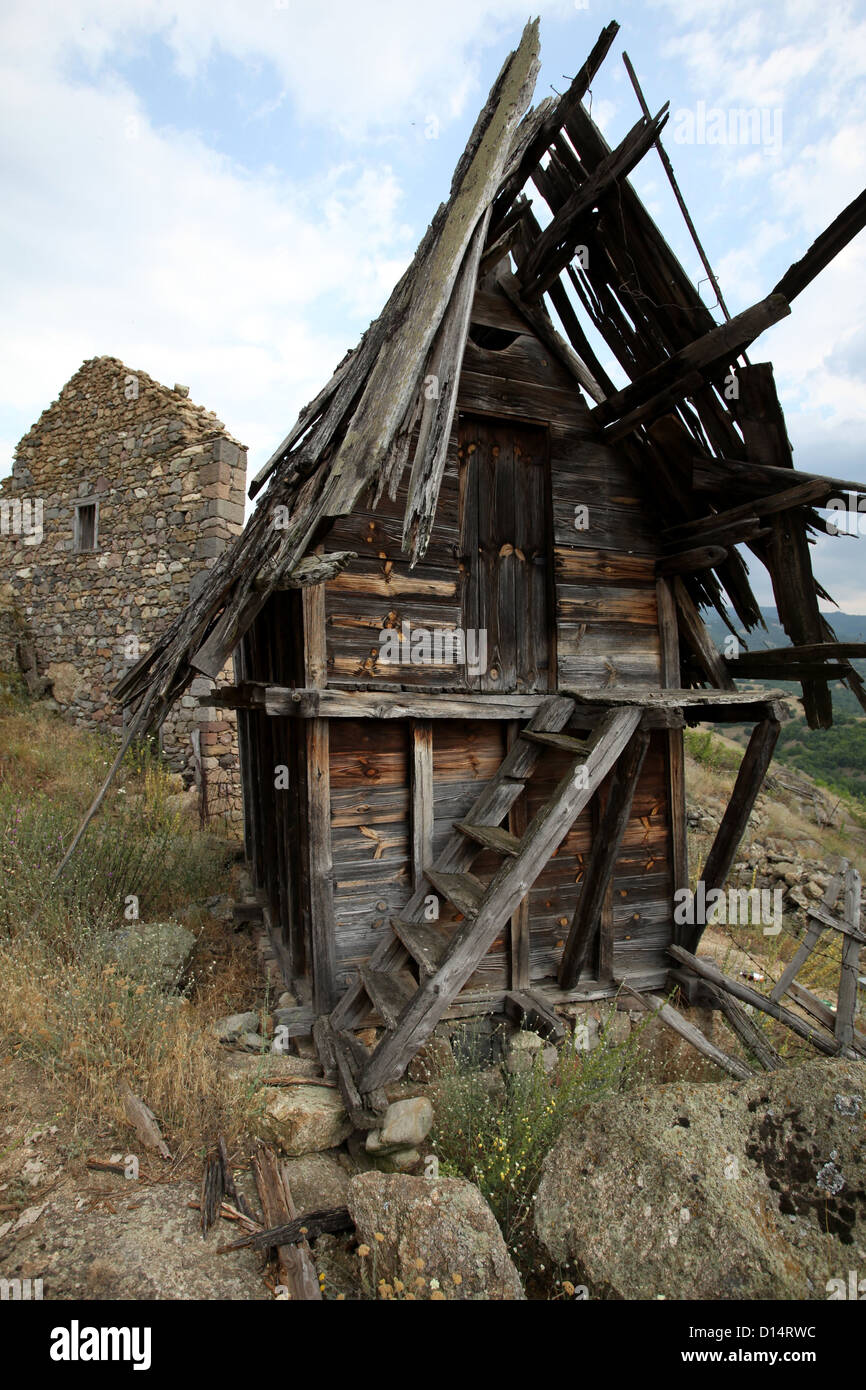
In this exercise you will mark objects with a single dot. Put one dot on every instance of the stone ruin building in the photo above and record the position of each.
(122, 495)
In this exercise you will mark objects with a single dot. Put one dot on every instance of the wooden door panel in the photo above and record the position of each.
(507, 550)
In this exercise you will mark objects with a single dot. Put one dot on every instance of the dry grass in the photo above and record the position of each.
(64, 1002)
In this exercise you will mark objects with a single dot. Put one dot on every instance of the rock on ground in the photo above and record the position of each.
(752, 1189)
(146, 1244)
(318, 1180)
(304, 1119)
(443, 1222)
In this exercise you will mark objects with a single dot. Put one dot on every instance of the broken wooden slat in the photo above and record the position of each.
(555, 247)
(748, 1032)
(654, 1003)
(842, 229)
(295, 1266)
(695, 632)
(708, 970)
(532, 1012)
(326, 1221)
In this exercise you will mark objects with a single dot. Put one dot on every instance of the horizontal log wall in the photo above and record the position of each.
(371, 842)
(604, 580)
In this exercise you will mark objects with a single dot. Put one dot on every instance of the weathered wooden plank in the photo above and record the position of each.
(422, 798)
(675, 1021)
(708, 970)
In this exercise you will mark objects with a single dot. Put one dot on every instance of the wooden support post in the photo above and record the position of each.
(847, 997)
(602, 859)
(750, 777)
(317, 831)
(422, 799)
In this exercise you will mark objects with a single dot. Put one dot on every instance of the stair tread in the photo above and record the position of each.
(389, 993)
(492, 836)
(465, 891)
(424, 944)
(567, 743)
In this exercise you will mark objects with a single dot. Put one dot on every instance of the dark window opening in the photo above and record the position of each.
(492, 339)
(85, 526)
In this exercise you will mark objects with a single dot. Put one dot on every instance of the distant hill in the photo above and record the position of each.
(834, 757)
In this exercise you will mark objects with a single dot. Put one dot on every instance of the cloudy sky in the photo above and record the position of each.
(223, 192)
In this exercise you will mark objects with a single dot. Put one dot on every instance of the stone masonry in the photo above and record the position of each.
(121, 494)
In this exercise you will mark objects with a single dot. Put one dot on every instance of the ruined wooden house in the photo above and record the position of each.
(436, 829)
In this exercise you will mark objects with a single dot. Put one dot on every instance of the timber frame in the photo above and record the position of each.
(554, 783)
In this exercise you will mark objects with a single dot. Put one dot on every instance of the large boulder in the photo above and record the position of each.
(443, 1223)
(304, 1119)
(753, 1189)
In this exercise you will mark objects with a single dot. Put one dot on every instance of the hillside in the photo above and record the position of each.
(836, 757)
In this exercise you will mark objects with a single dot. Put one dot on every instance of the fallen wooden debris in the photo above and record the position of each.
(674, 1020)
(746, 1030)
(143, 1120)
(104, 1165)
(327, 1221)
(706, 968)
(295, 1265)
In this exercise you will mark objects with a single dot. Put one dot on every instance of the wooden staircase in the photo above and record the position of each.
(410, 1008)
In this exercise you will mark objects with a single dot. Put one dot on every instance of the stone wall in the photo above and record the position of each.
(167, 484)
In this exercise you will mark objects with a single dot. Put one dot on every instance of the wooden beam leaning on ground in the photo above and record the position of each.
(605, 849)
(654, 1003)
(750, 777)
(708, 970)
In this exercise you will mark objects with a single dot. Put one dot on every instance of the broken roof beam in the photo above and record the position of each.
(557, 243)
(398, 371)
(672, 180)
(711, 474)
(553, 120)
(824, 249)
(786, 554)
(707, 354)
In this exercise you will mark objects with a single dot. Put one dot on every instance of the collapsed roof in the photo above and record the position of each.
(699, 421)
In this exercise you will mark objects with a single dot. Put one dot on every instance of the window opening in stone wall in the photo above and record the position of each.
(85, 526)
